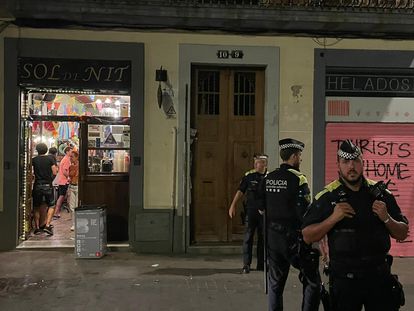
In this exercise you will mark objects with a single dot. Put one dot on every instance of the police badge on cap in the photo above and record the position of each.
(291, 143)
(347, 150)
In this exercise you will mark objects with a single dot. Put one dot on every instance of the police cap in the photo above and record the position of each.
(291, 143)
(260, 156)
(348, 150)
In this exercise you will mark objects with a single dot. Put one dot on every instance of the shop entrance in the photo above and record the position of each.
(227, 123)
(97, 127)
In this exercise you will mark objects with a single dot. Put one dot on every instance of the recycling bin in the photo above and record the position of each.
(90, 231)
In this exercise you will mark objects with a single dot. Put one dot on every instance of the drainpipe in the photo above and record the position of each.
(185, 173)
(174, 190)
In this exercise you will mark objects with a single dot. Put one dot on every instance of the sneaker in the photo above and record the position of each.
(37, 231)
(246, 269)
(48, 230)
(42, 227)
(56, 217)
(72, 228)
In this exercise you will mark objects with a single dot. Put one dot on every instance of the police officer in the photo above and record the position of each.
(359, 225)
(249, 186)
(287, 197)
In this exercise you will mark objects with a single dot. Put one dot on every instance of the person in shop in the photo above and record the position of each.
(62, 180)
(44, 168)
(73, 185)
(52, 153)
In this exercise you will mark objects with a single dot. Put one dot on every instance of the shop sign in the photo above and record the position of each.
(370, 85)
(77, 73)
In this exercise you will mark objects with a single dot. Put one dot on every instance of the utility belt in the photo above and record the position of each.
(302, 255)
(359, 272)
(279, 228)
(380, 266)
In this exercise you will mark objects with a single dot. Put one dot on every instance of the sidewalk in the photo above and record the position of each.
(55, 280)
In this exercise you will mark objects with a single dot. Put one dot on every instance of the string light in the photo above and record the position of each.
(25, 228)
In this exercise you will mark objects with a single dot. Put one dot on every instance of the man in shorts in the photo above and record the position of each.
(44, 168)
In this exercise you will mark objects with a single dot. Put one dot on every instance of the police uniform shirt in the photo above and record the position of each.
(287, 196)
(360, 237)
(249, 185)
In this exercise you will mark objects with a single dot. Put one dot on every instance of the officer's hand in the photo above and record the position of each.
(232, 211)
(261, 212)
(380, 209)
(342, 210)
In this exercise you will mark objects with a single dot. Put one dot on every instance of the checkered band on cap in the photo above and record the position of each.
(349, 156)
(295, 146)
(348, 150)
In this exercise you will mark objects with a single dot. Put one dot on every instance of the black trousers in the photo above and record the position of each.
(281, 257)
(373, 292)
(254, 223)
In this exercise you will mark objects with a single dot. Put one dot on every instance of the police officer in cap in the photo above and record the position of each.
(358, 222)
(287, 197)
(249, 187)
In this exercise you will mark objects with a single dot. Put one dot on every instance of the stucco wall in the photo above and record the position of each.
(162, 49)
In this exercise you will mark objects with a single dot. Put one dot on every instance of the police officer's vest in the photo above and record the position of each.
(254, 180)
(287, 196)
(363, 238)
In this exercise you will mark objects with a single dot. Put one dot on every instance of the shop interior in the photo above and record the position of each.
(97, 126)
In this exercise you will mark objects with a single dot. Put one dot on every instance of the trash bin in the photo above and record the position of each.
(90, 231)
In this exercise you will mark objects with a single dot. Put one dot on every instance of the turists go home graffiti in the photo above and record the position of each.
(388, 154)
(382, 166)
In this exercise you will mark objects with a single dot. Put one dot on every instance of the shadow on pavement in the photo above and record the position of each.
(193, 272)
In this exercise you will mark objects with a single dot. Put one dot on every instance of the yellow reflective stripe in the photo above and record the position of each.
(321, 194)
(249, 172)
(302, 178)
(328, 188)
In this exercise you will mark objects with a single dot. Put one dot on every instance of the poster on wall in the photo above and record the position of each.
(388, 153)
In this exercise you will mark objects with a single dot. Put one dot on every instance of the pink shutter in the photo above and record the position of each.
(388, 152)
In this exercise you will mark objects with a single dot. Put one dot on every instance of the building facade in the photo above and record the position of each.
(201, 104)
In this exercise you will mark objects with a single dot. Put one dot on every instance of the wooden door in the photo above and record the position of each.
(109, 189)
(227, 114)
